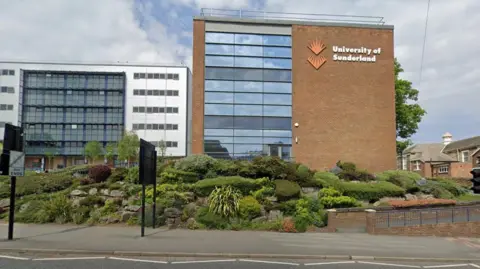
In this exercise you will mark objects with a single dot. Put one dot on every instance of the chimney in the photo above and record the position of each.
(447, 138)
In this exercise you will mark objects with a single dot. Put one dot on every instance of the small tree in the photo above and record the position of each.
(128, 147)
(49, 154)
(93, 150)
(162, 146)
(110, 151)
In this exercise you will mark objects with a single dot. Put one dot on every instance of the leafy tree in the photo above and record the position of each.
(128, 147)
(50, 154)
(408, 113)
(93, 150)
(110, 151)
(163, 149)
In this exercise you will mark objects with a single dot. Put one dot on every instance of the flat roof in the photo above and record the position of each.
(133, 64)
(291, 22)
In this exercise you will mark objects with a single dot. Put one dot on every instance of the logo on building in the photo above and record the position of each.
(317, 47)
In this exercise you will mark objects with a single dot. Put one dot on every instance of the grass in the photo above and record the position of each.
(468, 198)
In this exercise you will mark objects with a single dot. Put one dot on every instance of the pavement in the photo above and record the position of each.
(126, 241)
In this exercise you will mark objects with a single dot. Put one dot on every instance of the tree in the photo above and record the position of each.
(128, 147)
(93, 150)
(162, 146)
(110, 151)
(50, 155)
(408, 113)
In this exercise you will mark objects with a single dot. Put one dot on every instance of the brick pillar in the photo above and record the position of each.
(332, 216)
(371, 221)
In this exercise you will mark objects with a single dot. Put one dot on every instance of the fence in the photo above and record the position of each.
(402, 218)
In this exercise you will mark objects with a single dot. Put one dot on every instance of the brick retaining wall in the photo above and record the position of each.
(461, 229)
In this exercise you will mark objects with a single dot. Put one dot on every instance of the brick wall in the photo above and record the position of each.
(462, 229)
(346, 220)
(461, 170)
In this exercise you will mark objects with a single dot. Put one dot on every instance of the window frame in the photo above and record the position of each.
(444, 169)
(462, 156)
(416, 166)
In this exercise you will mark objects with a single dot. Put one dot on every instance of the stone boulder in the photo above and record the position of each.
(132, 208)
(410, 197)
(93, 191)
(274, 215)
(172, 212)
(117, 194)
(105, 192)
(126, 216)
(4, 203)
(78, 193)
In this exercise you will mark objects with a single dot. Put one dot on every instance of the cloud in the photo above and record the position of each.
(87, 30)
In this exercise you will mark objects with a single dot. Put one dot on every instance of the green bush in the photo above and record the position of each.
(325, 180)
(199, 164)
(118, 174)
(99, 173)
(91, 201)
(288, 207)
(286, 190)
(437, 190)
(171, 175)
(246, 169)
(224, 201)
(338, 202)
(132, 175)
(249, 208)
(450, 186)
(32, 214)
(81, 214)
(356, 175)
(308, 212)
(37, 184)
(329, 192)
(404, 179)
(225, 168)
(303, 174)
(210, 220)
(245, 185)
(371, 191)
(347, 166)
(273, 168)
(58, 209)
(263, 192)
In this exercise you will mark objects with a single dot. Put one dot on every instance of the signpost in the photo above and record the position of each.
(148, 175)
(12, 163)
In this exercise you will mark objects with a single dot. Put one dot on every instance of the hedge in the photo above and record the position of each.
(286, 190)
(371, 191)
(172, 175)
(405, 179)
(204, 187)
(37, 184)
(325, 180)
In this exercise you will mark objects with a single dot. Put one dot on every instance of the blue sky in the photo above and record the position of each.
(159, 31)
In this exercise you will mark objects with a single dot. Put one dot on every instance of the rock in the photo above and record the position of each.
(190, 209)
(105, 192)
(192, 224)
(93, 191)
(78, 193)
(310, 190)
(117, 193)
(124, 202)
(259, 219)
(126, 216)
(133, 208)
(113, 219)
(173, 223)
(275, 214)
(272, 199)
(410, 197)
(190, 196)
(4, 203)
(76, 201)
(263, 212)
(24, 207)
(202, 201)
(426, 196)
(172, 212)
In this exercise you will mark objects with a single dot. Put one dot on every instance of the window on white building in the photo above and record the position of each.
(465, 156)
(443, 170)
(416, 165)
(404, 163)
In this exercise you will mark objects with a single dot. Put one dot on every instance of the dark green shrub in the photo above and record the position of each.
(211, 174)
(404, 179)
(199, 164)
(91, 201)
(37, 184)
(288, 207)
(249, 208)
(171, 175)
(450, 186)
(303, 174)
(371, 191)
(210, 220)
(346, 166)
(118, 174)
(286, 190)
(437, 190)
(81, 214)
(99, 173)
(132, 175)
(245, 185)
(273, 168)
(246, 169)
(225, 168)
(32, 214)
(58, 209)
(356, 175)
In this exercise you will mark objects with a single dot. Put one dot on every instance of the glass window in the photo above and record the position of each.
(218, 132)
(219, 61)
(218, 85)
(277, 99)
(221, 139)
(277, 75)
(218, 122)
(248, 110)
(248, 86)
(280, 111)
(248, 98)
(249, 74)
(248, 140)
(222, 149)
(277, 133)
(219, 73)
(215, 109)
(217, 97)
(248, 50)
(248, 149)
(247, 123)
(277, 140)
(250, 132)
(277, 40)
(277, 87)
(219, 49)
(277, 63)
(277, 52)
(219, 38)
(248, 62)
(248, 39)
(277, 123)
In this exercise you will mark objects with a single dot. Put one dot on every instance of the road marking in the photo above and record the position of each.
(205, 261)
(69, 259)
(475, 265)
(14, 258)
(135, 260)
(271, 262)
(327, 263)
(390, 264)
(446, 265)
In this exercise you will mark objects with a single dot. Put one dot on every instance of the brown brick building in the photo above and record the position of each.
(315, 92)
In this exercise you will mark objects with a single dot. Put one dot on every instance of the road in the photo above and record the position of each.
(146, 263)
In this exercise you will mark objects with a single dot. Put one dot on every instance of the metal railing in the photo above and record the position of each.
(253, 14)
(400, 218)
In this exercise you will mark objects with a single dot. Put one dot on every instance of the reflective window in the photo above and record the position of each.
(248, 39)
(248, 149)
(248, 98)
(216, 146)
(277, 99)
(277, 133)
(277, 40)
(218, 85)
(219, 49)
(277, 75)
(219, 73)
(218, 132)
(248, 86)
(215, 109)
(278, 52)
(247, 123)
(248, 50)
(279, 111)
(219, 38)
(248, 62)
(219, 61)
(277, 87)
(217, 97)
(250, 132)
(248, 110)
(277, 63)
(249, 74)
(221, 139)
(277, 140)
(248, 140)
(277, 123)
(218, 122)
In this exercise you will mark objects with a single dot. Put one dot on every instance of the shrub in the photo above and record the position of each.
(450, 186)
(38, 184)
(405, 179)
(86, 181)
(249, 208)
(338, 202)
(91, 201)
(273, 168)
(371, 191)
(437, 190)
(171, 175)
(81, 214)
(132, 175)
(329, 192)
(288, 225)
(211, 174)
(308, 212)
(210, 220)
(224, 201)
(32, 214)
(199, 164)
(225, 168)
(99, 173)
(286, 190)
(246, 169)
(244, 185)
(356, 175)
(346, 166)
(58, 209)
(118, 174)
(263, 192)
(325, 180)
(288, 207)
(303, 174)
(418, 203)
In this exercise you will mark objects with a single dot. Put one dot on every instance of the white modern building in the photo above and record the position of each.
(73, 103)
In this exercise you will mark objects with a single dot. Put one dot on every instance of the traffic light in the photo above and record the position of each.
(476, 179)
